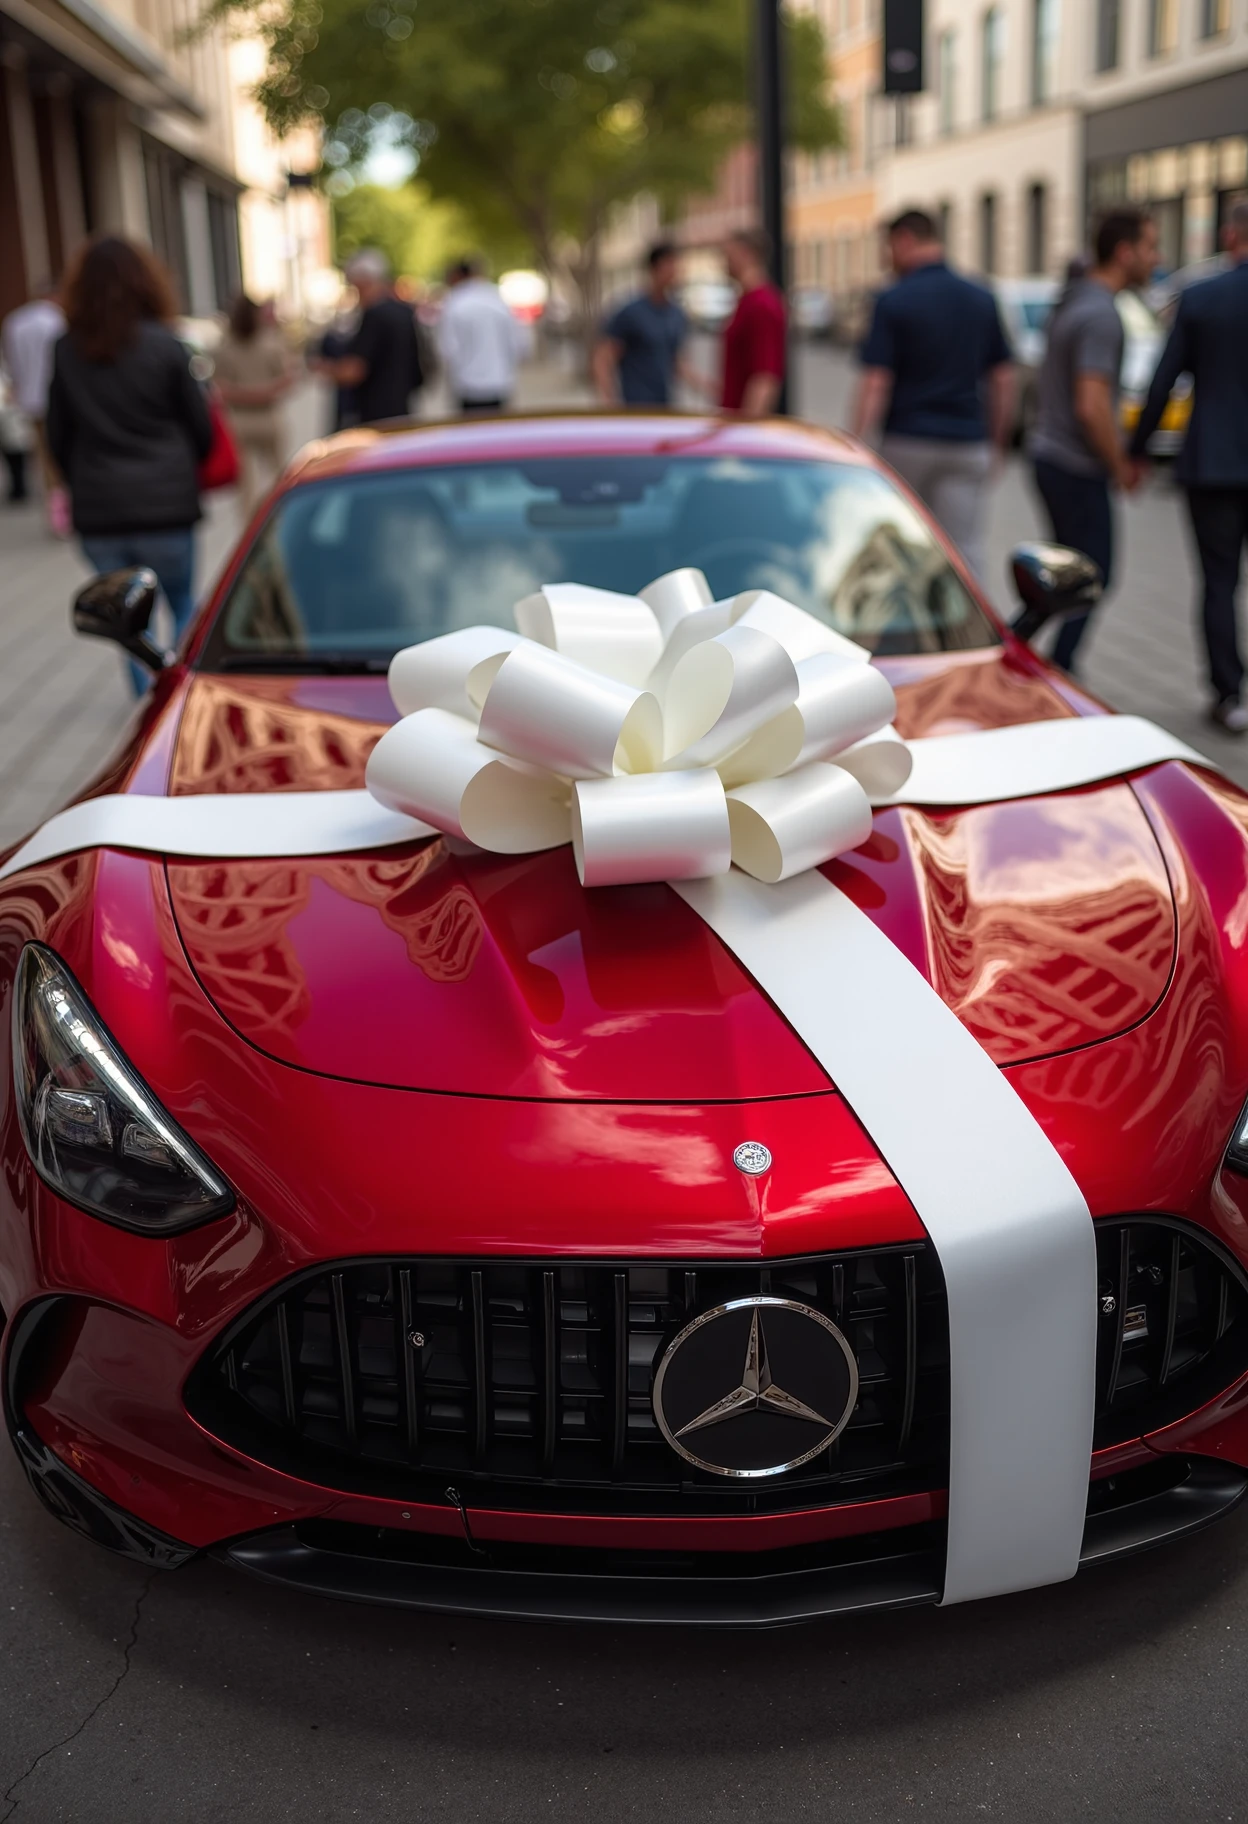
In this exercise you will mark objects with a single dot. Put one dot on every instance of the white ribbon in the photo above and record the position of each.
(989, 767)
(666, 736)
(1008, 1222)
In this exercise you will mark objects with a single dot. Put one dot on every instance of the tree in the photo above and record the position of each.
(536, 115)
(417, 234)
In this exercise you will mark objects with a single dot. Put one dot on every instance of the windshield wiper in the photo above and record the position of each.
(318, 664)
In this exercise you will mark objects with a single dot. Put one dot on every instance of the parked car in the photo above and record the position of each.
(812, 311)
(708, 303)
(355, 1205)
(1025, 306)
(1145, 339)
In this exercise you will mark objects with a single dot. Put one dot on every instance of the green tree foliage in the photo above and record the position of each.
(536, 116)
(419, 235)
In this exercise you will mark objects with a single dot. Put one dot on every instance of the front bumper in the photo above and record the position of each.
(103, 1408)
(1155, 1504)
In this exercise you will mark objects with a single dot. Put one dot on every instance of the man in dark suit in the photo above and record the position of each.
(1209, 341)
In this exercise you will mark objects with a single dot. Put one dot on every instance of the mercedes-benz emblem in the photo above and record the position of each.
(752, 1158)
(755, 1387)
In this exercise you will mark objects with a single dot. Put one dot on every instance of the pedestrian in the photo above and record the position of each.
(937, 373)
(481, 343)
(27, 338)
(638, 354)
(755, 341)
(1209, 341)
(128, 424)
(253, 374)
(16, 440)
(383, 362)
(1076, 446)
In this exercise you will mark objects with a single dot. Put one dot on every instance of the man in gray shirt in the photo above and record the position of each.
(1076, 446)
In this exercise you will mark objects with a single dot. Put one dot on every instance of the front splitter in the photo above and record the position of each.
(364, 1564)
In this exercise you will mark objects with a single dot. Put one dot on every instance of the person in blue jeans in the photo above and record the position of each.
(171, 555)
(128, 424)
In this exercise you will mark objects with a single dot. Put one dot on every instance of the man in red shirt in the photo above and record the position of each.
(754, 341)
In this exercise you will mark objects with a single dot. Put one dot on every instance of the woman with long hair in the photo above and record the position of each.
(253, 374)
(128, 423)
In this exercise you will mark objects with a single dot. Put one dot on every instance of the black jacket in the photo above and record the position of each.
(387, 344)
(1209, 341)
(128, 435)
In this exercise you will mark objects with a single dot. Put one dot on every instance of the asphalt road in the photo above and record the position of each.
(200, 1695)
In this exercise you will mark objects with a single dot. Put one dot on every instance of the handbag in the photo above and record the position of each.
(220, 466)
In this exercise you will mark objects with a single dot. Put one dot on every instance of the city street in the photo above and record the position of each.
(198, 1695)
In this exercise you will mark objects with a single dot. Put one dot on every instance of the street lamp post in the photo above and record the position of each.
(769, 103)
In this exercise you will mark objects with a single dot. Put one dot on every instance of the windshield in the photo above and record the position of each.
(346, 572)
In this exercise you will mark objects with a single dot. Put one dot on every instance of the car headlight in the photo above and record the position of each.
(1236, 1156)
(94, 1130)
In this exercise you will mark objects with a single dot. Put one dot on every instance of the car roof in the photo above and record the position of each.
(406, 444)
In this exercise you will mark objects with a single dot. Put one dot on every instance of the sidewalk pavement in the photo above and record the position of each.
(64, 700)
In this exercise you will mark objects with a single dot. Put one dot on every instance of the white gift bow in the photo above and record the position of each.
(667, 736)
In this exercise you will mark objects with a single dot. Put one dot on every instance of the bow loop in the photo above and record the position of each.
(720, 692)
(667, 736)
(568, 719)
(618, 635)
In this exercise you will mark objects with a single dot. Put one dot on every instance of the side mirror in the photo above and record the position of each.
(118, 607)
(1053, 582)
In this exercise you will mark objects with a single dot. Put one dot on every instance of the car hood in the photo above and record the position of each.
(1046, 925)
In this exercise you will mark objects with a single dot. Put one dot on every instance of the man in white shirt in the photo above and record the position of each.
(27, 338)
(480, 342)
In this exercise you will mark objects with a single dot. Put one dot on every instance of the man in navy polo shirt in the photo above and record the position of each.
(638, 352)
(937, 371)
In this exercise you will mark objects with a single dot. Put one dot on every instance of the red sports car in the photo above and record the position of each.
(420, 1226)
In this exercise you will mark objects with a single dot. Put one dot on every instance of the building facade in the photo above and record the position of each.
(112, 118)
(1167, 116)
(994, 146)
(1040, 114)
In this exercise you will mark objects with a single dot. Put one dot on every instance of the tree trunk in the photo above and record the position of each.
(583, 264)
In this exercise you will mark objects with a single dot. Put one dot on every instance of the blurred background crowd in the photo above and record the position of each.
(406, 208)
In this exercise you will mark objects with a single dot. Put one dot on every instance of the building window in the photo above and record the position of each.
(988, 232)
(1215, 18)
(1037, 228)
(1163, 27)
(947, 76)
(993, 53)
(1108, 33)
(1044, 25)
(944, 221)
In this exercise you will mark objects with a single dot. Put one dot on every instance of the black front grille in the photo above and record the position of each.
(530, 1381)
(1172, 1326)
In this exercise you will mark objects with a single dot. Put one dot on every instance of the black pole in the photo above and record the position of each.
(769, 105)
